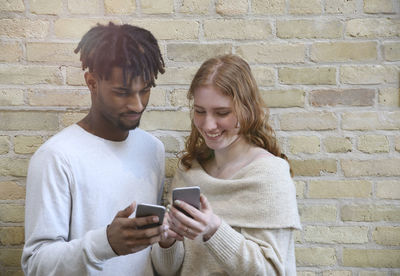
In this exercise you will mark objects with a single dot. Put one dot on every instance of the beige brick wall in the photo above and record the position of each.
(328, 70)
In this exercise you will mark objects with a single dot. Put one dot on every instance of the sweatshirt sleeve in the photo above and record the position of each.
(253, 251)
(167, 261)
(48, 249)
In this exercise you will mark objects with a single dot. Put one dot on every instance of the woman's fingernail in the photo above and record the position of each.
(177, 202)
(155, 219)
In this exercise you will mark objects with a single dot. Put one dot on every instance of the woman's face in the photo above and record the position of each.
(215, 118)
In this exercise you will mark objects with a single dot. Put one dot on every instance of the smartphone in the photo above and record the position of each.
(190, 195)
(145, 210)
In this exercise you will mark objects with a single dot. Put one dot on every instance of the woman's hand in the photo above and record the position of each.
(204, 222)
(170, 237)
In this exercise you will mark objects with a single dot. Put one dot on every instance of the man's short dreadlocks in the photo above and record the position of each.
(133, 49)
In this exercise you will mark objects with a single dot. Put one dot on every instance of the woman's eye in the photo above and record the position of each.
(199, 111)
(223, 114)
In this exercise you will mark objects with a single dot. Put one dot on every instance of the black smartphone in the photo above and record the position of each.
(190, 195)
(145, 210)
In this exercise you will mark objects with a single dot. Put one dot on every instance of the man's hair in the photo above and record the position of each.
(132, 48)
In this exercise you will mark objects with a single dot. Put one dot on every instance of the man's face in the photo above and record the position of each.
(120, 106)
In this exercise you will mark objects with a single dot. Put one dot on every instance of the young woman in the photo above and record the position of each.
(248, 203)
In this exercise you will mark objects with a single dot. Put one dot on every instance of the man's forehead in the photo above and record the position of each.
(117, 78)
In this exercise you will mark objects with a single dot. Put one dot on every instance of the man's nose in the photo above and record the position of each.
(135, 103)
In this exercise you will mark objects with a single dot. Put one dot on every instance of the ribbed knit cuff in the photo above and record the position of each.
(166, 260)
(225, 242)
(98, 246)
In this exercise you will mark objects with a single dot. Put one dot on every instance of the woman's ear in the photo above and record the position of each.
(91, 82)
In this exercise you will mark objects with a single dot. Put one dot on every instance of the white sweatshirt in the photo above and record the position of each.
(76, 184)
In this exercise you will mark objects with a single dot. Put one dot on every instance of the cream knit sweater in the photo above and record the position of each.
(259, 212)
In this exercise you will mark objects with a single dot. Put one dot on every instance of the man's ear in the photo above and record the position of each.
(91, 82)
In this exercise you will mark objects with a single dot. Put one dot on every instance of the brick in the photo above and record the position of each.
(337, 144)
(75, 76)
(371, 258)
(336, 235)
(27, 144)
(373, 143)
(70, 118)
(307, 75)
(372, 273)
(13, 167)
(166, 120)
(368, 74)
(32, 74)
(83, 7)
(195, 52)
(306, 28)
(177, 75)
(264, 76)
(305, 6)
(373, 27)
(268, 7)
(157, 97)
(304, 144)
(231, 7)
(4, 144)
(194, 6)
(337, 273)
(12, 5)
(52, 52)
(300, 188)
(341, 6)
(315, 256)
(370, 213)
(171, 164)
(313, 167)
(272, 52)
(389, 189)
(397, 144)
(238, 29)
(389, 96)
(157, 7)
(379, 6)
(28, 120)
(317, 213)
(11, 236)
(69, 98)
(339, 189)
(53, 7)
(170, 29)
(119, 6)
(14, 273)
(283, 98)
(171, 143)
(371, 120)
(349, 97)
(11, 97)
(385, 167)
(391, 51)
(178, 97)
(76, 27)
(387, 235)
(10, 51)
(308, 121)
(344, 51)
(11, 212)
(24, 28)
(11, 190)
(10, 257)
(305, 273)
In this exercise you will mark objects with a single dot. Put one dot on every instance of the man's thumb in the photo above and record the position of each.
(127, 211)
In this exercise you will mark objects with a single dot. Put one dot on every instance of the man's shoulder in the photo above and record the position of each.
(148, 138)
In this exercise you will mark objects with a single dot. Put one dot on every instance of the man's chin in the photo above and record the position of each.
(129, 127)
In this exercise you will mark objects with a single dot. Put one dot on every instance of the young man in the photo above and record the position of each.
(80, 179)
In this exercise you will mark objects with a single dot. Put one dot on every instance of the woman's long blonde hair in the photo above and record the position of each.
(232, 76)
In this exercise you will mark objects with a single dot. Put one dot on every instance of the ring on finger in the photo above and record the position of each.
(187, 231)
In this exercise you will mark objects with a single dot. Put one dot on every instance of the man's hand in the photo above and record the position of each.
(125, 238)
